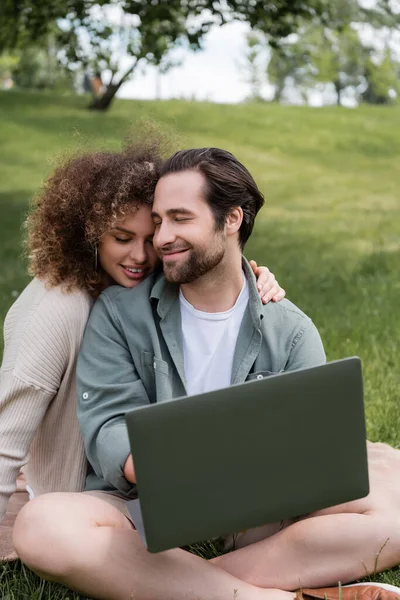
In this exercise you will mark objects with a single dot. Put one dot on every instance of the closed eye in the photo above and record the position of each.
(122, 240)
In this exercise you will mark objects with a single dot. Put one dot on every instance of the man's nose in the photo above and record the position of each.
(164, 235)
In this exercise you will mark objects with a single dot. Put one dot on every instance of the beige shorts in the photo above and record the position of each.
(114, 500)
(232, 541)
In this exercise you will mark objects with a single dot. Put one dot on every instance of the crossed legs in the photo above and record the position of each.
(88, 545)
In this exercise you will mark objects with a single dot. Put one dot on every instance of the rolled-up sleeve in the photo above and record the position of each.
(108, 387)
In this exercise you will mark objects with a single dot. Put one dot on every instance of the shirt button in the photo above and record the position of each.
(154, 365)
(260, 376)
(85, 396)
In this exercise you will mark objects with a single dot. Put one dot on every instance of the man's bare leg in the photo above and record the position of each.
(342, 543)
(316, 552)
(88, 545)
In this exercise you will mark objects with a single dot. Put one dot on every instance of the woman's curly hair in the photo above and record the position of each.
(79, 203)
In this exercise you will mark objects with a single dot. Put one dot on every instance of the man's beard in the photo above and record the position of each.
(198, 263)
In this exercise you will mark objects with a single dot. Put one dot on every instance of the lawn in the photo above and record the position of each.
(330, 228)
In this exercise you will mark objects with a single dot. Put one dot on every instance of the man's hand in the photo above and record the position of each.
(268, 287)
(129, 470)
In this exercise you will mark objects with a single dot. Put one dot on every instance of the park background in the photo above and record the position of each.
(330, 228)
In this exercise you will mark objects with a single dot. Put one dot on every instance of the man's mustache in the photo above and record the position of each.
(171, 249)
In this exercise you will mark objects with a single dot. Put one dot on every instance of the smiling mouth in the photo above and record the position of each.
(170, 255)
(133, 270)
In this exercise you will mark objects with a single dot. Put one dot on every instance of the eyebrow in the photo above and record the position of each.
(123, 230)
(174, 211)
(128, 231)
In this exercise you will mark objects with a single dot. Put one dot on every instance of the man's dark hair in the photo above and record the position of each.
(228, 184)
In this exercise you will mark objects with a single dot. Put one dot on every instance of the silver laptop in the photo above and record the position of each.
(251, 454)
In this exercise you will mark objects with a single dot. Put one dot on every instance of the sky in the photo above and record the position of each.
(214, 72)
(210, 74)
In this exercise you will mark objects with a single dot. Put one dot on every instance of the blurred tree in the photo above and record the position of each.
(382, 80)
(335, 54)
(97, 42)
(30, 19)
(8, 62)
(153, 29)
(340, 58)
(91, 42)
(26, 22)
(38, 68)
(253, 64)
(291, 61)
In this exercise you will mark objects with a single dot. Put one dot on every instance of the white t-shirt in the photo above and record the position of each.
(209, 341)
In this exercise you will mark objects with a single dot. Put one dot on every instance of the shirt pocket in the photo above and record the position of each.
(258, 375)
(155, 376)
(152, 364)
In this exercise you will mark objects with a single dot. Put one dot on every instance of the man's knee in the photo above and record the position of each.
(53, 533)
(41, 536)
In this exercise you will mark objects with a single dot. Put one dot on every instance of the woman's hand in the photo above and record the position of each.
(267, 285)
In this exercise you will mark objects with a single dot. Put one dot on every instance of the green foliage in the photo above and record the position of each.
(252, 66)
(327, 49)
(91, 41)
(38, 68)
(94, 41)
(382, 80)
(339, 57)
(8, 62)
(26, 22)
(30, 20)
(323, 55)
(290, 60)
(32, 70)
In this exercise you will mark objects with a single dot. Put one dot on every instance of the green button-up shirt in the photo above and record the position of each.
(132, 355)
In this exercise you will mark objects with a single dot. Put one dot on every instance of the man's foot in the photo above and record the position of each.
(356, 591)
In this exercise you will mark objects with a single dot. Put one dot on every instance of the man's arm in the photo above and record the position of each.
(108, 387)
(307, 349)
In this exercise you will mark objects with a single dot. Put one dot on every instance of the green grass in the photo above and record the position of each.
(18, 583)
(330, 229)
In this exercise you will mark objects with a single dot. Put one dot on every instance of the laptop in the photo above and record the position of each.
(251, 454)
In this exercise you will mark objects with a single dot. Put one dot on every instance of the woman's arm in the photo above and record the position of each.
(22, 408)
(42, 333)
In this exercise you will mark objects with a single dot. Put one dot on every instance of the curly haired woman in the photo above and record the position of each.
(90, 227)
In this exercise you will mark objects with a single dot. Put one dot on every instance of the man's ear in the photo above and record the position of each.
(234, 220)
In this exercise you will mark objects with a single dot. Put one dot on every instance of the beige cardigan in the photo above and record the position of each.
(38, 424)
